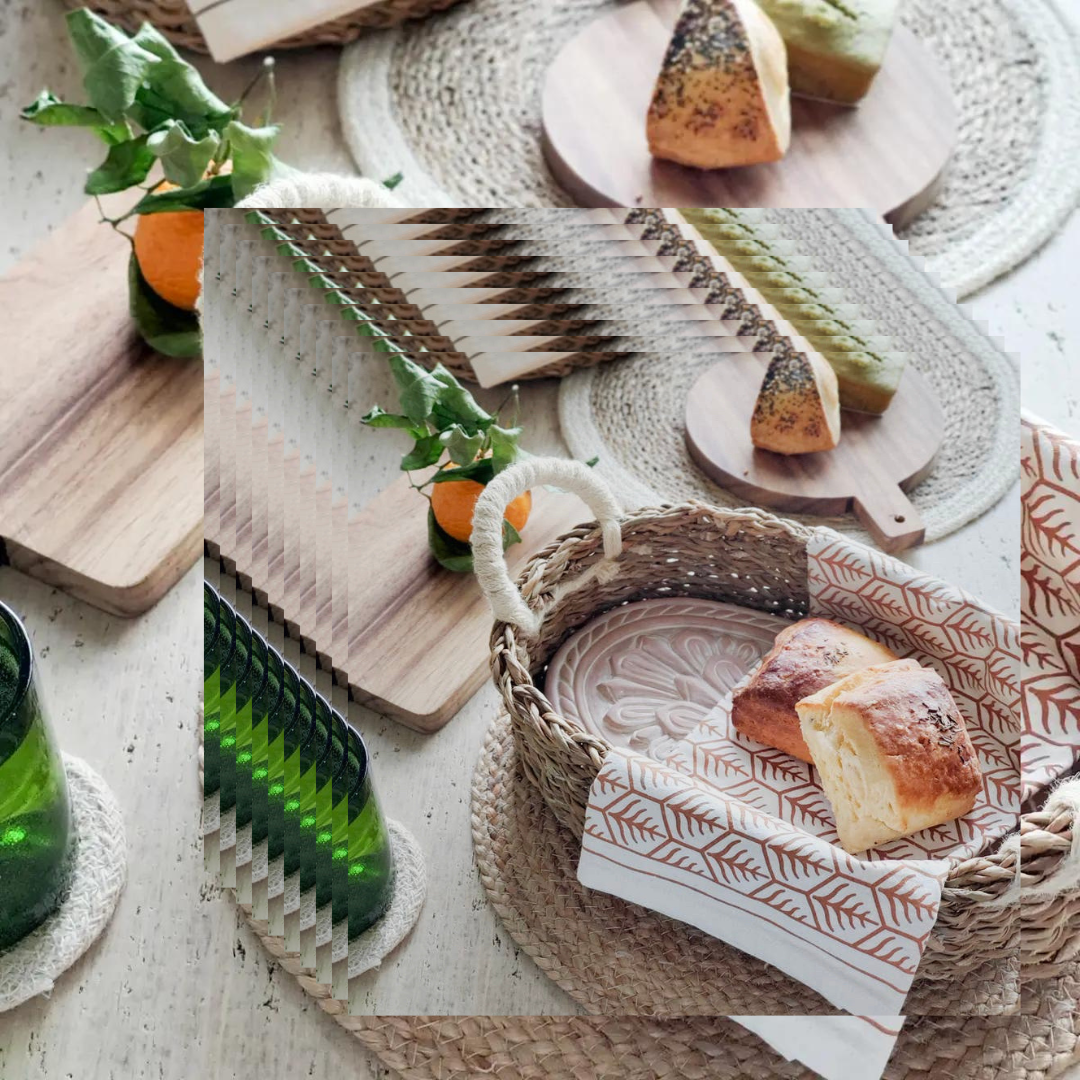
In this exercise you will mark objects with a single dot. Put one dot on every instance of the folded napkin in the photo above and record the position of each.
(1050, 572)
(233, 28)
(738, 839)
(851, 929)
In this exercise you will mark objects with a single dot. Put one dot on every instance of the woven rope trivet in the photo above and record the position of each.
(1037, 1045)
(454, 104)
(618, 958)
(631, 414)
(32, 965)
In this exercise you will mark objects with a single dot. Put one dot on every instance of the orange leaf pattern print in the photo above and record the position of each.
(1050, 598)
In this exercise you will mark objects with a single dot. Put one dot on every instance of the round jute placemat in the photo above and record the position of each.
(454, 104)
(631, 415)
(32, 965)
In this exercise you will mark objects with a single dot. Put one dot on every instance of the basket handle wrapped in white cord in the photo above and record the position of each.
(320, 191)
(507, 604)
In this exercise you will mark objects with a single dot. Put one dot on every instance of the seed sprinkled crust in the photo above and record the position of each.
(790, 415)
(710, 107)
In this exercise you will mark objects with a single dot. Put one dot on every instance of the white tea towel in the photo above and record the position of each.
(1050, 571)
(851, 929)
(738, 839)
(835, 1047)
(234, 28)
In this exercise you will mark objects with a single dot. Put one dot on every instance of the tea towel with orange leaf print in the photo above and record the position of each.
(1050, 601)
(738, 839)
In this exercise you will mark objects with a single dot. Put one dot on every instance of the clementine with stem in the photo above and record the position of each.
(169, 250)
(453, 503)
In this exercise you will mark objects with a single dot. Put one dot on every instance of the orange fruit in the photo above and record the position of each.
(169, 249)
(454, 501)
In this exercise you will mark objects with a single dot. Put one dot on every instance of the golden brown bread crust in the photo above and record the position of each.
(807, 656)
(914, 722)
(892, 751)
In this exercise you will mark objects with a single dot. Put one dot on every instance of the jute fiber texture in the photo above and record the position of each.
(32, 966)
(454, 104)
(1036, 1045)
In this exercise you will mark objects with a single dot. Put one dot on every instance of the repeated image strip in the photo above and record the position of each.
(309, 366)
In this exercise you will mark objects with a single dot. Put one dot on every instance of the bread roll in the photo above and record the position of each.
(798, 407)
(893, 753)
(721, 98)
(807, 656)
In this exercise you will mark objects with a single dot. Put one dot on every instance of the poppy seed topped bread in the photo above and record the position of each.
(808, 656)
(892, 751)
(721, 98)
(798, 407)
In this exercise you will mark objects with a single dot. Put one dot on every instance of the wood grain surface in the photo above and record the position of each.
(887, 154)
(101, 460)
(878, 458)
(411, 639)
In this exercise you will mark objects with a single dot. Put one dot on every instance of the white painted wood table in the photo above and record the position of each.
(178, 987)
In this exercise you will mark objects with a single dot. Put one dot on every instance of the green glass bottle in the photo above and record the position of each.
(217, 648)
(331, 789)
(283, 740)
(36, 843)
(315, 826)
(267, 705)
(298, 771)
(370, 857)
(344, 780)
(234, 673)
(301, 785)
(250, 687)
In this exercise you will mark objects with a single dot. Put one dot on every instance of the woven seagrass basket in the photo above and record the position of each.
(751, 558)
(174, 19)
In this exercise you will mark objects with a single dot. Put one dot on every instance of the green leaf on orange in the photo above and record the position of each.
(126, 164)
(49, 111)
(167, 329)
(208, 194)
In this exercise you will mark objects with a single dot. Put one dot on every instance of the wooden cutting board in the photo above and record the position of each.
(887, 154)
(877, 460)
(101, 460)
(411, 639)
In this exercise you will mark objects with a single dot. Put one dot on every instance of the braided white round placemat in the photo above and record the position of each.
(32, 965)
(453, 103)
(631, 414)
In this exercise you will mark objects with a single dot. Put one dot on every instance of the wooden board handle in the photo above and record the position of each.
(891, 518)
